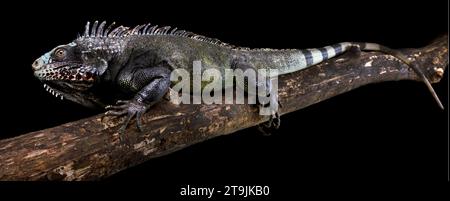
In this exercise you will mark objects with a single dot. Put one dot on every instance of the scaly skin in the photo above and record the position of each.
(131, 67)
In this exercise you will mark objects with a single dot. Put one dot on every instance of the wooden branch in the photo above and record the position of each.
(90, 148)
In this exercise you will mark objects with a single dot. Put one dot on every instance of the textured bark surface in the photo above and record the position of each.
(90, 148)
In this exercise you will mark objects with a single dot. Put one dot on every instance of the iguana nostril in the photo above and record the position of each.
(36, 64)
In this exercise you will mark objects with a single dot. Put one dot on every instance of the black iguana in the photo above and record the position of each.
(132, 66)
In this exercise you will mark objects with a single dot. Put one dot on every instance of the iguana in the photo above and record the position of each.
(132, 66)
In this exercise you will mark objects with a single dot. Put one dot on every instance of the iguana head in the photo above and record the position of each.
(67, 69)
(74, 67)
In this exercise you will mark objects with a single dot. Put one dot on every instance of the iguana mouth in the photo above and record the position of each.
(69, 72)
(59, 88)
(51, 71)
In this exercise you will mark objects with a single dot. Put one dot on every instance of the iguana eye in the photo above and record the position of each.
(60, 53)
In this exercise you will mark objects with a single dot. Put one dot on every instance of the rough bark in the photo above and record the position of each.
(91, 149)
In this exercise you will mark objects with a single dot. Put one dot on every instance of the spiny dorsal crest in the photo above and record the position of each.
(98, 30)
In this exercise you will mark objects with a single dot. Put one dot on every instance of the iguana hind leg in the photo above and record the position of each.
(267, 101)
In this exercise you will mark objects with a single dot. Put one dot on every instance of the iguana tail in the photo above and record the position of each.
(403, 58)
(309, 57)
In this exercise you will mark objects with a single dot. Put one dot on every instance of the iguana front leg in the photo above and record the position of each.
(149, 84)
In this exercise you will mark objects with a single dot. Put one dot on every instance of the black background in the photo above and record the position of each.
(386, 135)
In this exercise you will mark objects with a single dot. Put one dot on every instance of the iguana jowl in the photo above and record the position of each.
(132, 66)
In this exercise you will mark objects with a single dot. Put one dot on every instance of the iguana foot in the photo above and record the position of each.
(274, 121)
(270, 126)
(267, 128)
(131, 108)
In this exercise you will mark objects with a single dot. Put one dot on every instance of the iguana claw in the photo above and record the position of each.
(131, 108)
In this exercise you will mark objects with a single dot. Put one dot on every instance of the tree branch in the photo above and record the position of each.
(90, 148)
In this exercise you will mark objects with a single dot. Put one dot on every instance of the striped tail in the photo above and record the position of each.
(314, 56)
(309, 57)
